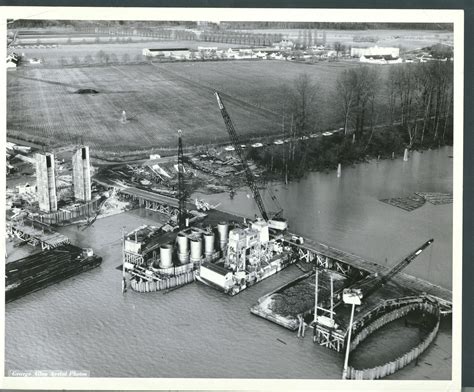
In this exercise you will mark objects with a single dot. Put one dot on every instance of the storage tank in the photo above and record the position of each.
(208, 244)
(196, 249)
(183, 248)
(223, 229)
(166, 256)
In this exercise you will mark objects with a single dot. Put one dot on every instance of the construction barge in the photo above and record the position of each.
(43, 269)
(249, 256)
(229, 256)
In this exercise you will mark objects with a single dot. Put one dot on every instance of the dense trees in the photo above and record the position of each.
(422, 100)
(356, 91)
(410, 107)
(419, 98)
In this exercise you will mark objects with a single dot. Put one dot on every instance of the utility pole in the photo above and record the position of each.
(350, 296)
(316, 298)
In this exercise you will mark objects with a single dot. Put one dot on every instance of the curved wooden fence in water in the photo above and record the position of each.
(391, 367)
(162, 284)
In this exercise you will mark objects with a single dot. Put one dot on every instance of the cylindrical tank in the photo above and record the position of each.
(183, 248)
(166, 256)
(196, 249)
(223, 230)
(208, 244)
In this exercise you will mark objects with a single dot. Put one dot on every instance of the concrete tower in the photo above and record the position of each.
(46, 182)
(81, 174)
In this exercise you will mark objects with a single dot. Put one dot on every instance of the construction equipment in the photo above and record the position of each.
(181, 190)
(248, 173)
(373, 282)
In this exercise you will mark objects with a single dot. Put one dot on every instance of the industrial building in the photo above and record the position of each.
(167, 52)
(375, 51)
(46, 182)
(81, 174)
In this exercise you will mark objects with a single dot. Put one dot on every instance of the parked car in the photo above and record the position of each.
(257, 145)
(229, 148)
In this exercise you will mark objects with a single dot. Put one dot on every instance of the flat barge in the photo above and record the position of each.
(40, 270)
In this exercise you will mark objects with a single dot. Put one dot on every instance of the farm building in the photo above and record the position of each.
(375, 51)
(376, 59)
(12, 60)
(167, 52)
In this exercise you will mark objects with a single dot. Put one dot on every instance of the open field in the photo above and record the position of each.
(159, 99)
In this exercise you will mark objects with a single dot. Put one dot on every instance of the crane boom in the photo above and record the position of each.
(371, 283)
(235, 141)
(181, 189)
(407, 260)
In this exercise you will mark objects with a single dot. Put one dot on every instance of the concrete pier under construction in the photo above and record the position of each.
(46, 182)
(81, 174)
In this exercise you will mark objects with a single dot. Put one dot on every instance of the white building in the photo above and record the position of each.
(12, 60)
(178, 53)
(375, 51)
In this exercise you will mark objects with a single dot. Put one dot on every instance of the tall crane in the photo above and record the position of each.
(373, 282)
(248, 173)
(181, 189)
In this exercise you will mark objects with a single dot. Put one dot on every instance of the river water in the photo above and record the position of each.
(86, 323)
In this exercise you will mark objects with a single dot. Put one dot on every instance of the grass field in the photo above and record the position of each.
(159, 99)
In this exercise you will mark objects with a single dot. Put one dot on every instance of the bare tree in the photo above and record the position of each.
(365, 82)
(345, 91)
(303, 102)
(339, 48)
(406, 89)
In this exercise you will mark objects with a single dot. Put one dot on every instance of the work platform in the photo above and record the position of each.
(36, 233)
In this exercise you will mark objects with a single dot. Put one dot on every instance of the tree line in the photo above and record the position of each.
(240, 37)
(380, 114)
